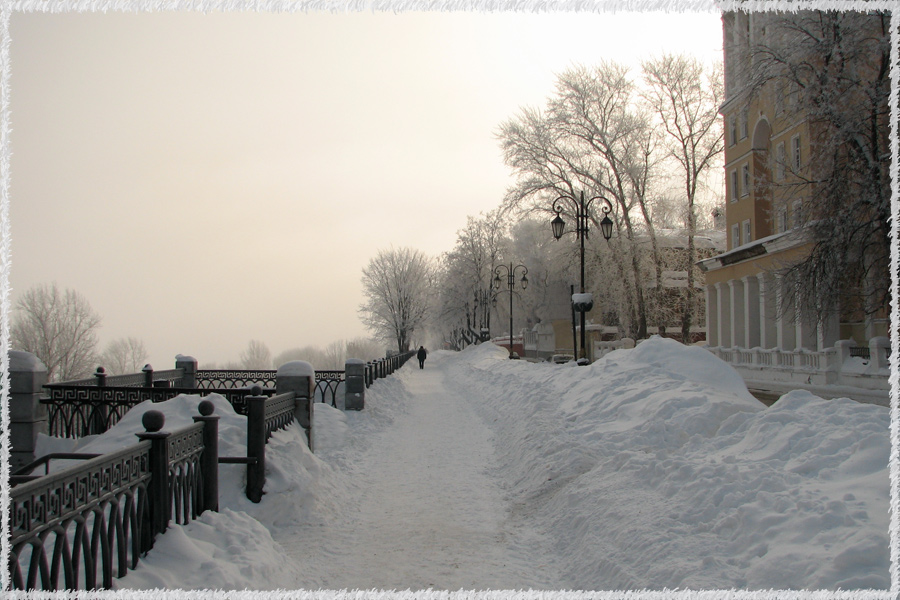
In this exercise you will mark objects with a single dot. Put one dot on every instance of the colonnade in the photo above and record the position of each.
(756, 311)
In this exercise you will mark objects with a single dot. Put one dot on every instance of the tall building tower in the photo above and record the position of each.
(772, 173)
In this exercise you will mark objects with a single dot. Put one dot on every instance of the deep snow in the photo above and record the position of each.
(652, 468)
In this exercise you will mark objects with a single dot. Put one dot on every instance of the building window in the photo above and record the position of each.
(745, 179)
(732, 130)
(735, 235)
(797, 214)
(781, 220)
(795, 153)
(779, 162)
(734, 186)
(747, 238)
(744, 118)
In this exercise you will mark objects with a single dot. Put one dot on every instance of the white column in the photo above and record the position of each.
(804, 323)
(784, 327)
(828, 332)
(724, 317)
(767, 314)
(736, 292)
(712, 316)
(752, 324)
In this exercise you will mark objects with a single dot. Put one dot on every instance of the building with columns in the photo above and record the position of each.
(769, 143)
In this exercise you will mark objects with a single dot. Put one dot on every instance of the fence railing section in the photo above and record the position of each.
(213, 379)
(74, 411)
(79, 527)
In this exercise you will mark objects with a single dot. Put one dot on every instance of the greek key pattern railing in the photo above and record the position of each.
(77, 411)
(67, 525)
(327, 385)
(185, 481)
(279, 412)
(81, 526)
(209, 379)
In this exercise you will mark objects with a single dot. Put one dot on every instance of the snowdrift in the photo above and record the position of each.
(655, 468)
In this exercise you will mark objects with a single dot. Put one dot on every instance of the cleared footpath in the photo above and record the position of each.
(421, 509)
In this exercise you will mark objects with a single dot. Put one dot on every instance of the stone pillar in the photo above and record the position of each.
(189, 364)
(27, 416)
(354, 384)
(767, 314)
(712, 316)
(805, 325)
(299, 377)
(736, 291)
(878, 349)
(752, 324)
(784, 327)
(828, 332)
(723, 291)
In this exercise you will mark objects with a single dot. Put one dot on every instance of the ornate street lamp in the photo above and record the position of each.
(510, 284)
(558, 225)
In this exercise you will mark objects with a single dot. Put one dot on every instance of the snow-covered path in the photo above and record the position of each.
(423, 511)
(653, 468)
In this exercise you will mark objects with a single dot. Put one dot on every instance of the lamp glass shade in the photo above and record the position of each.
(606, 227)
(497, 282)
(558, 226)
(524, 282)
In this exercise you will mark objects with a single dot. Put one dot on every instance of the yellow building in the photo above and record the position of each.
(768, 170)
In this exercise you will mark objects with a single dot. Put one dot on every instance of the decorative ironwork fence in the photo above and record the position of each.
(327, 385)
(213, 379)
(75, 410)
(83, 525)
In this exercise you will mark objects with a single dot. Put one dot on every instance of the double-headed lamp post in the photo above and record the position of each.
(581, 230)
(510, 284)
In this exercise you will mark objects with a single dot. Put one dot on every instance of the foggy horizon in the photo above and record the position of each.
(208, 179)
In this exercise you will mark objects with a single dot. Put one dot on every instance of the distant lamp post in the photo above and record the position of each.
(510, 285)
(582, 214)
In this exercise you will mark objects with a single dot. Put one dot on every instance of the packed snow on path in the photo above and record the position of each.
(652, 468)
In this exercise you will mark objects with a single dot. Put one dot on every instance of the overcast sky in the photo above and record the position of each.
(208, 179)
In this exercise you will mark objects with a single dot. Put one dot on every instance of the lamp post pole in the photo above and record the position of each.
(510, 284)
(581, 230)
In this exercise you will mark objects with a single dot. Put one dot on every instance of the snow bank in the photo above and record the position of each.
(231, 549)
(655, 468)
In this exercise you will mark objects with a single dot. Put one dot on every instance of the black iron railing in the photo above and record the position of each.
(74, 411)
(214, 379)
(83, 525)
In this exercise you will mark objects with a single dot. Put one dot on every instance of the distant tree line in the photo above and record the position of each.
(60, 328)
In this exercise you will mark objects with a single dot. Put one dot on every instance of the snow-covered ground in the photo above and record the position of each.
(650, 469)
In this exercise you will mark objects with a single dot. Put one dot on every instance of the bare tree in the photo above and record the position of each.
(686, 98)
(256, 356)
(398, 287)
(835, 66)
(593, 138)
(124, 355)
(60, 328)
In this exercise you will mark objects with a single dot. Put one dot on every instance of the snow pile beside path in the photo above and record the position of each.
(655, 468)
(231, 549)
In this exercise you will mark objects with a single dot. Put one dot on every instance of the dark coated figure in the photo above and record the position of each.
(421, 355)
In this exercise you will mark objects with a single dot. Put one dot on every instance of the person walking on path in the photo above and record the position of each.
(421, 354)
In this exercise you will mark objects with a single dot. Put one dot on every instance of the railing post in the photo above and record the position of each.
(188, 365)
(354, 384)
(100, 413)
(27, 416)
(878, 353)
(158, 489)
(209, 460)
(299, 377)
(256, 444)
(148, 375)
